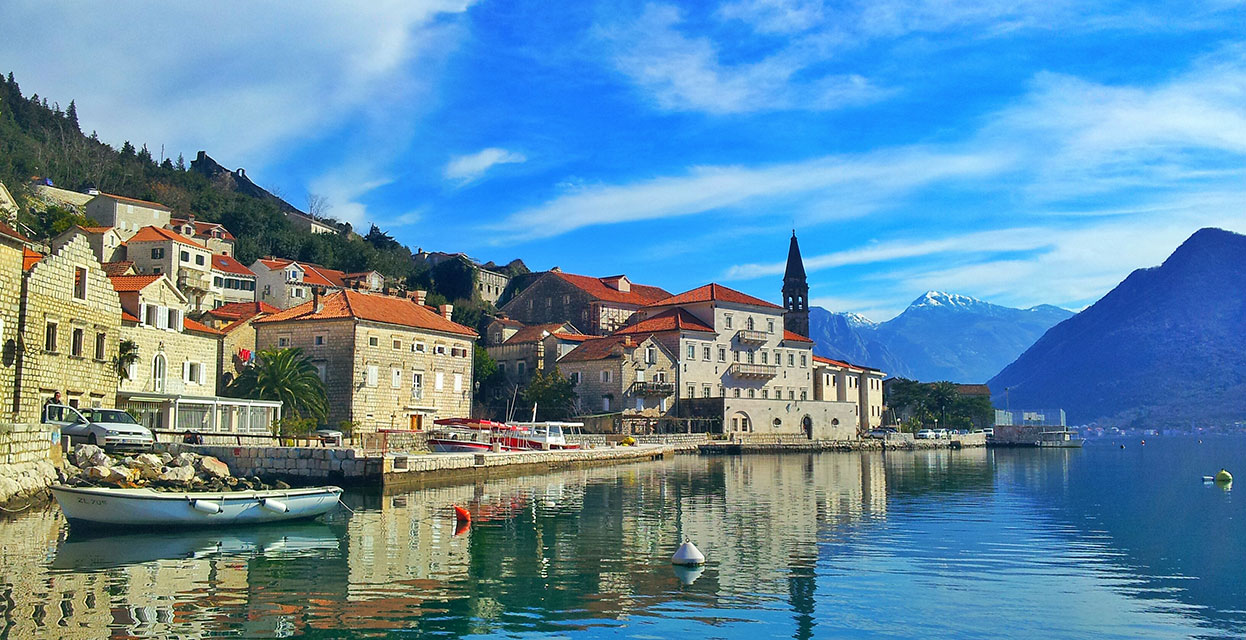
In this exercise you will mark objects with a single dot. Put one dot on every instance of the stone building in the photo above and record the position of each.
(155, 250)
(596, 305)
(795, 292)
(285, 283)
(387, 362)
(127, 215)
(622, 373)
(107, 242)
(838, 381)
(530, 348)
(235, 322)
(69, 329)
(490, 283)
(212, 235)
(12, 247)
(232, 282)
(500, 329)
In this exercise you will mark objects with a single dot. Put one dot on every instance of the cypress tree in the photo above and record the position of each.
(72, 114)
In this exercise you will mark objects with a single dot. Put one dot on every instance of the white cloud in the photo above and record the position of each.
(240, 79)
(472, 167)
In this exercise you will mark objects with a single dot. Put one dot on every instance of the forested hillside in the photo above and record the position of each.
(40, 138)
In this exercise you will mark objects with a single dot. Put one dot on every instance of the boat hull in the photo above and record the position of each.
(458, 446)
(99, 507)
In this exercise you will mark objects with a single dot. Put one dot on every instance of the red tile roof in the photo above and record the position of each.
(128, 317)
(639, 295)
(571, 337)
(837, 363)
(157, 234)
(12, 233)
(143, 203)
(534, 333)
(375, 308)
(312, 273)
(191, 325)
(236, 310)
(227, 264)
(30, 258)
(788, 336)
(601, 348)
(126, 284)
(95, 229)
(119, 268)
(670, 320)
(973, 390)
(204, 228)
(508, 322)
(717, 293)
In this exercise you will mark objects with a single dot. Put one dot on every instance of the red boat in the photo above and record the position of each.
(466, 434)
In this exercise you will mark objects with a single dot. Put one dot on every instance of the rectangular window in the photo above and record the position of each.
(157, 253)
(735, 355)
(194, 372)
(521, 368)
(791, 359)
(99, 345)
(651, 355)
(722, 354)
(727, 320)
(185, 256)
(80, 283)
(49, 338)
(417, 384)
(75, 345)
(373, 341)
(660, 376)
(705, 391)
(706, 353)
(283, 341)
(458, 382)
(764, 358)
(322, 371)
(802, 395)
(319, 340)
(791, 394)
(692, 352)
(438, 382)
(752, 393)
(605, 403)
(174, 321)
(735, 393)
(770, 326)
(219, 282)
(575, 377)
(395, 378)
(692, 391)
(374, 374)
(199, 259)
(749, 354)
(502, 367)
(417, 347)
(803, 361)
(605, 376)
(397, 344)
(439, 350)
(765, 394)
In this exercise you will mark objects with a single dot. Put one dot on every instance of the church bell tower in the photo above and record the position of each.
(795, 292)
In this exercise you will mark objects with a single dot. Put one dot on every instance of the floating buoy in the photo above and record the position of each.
(462, 515)
(205, 506)
(688, 555)
(1224, 476)
(1207, 479)
(1122, 446)
(274, 505)
(1144, 443)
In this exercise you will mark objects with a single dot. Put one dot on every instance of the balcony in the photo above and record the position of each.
(755, 371)
(749, 336)
(197, 280)
(653, 389)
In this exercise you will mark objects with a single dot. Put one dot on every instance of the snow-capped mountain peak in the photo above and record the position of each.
(944, 299)
(857, 320)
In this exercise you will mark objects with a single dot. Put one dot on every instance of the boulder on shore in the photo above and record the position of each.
(177, 475)
(211, 467)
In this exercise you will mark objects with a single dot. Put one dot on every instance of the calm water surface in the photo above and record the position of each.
(1093, 543)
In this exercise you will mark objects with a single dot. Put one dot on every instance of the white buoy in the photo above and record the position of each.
(688, 575)
(688, 555)
(274, 505)
(205, 506)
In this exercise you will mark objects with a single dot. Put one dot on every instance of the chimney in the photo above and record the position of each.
(447, 311)
(317, 305)
(419, 295)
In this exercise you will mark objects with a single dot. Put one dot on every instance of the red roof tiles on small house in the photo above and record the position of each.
(157, 234)
(601, 289)
(374, 308)
(571, 337)
(671, 320)
(6, 230)
(601, 348)
(227, 264)
(313, 274)
(191, 325)
(119, 268)
(714, 292)
(95, 230)
(203, 228)
(30, 258)
(236, 310)
(127, 284)
(789, 336)
(534, 333)
(838, 363)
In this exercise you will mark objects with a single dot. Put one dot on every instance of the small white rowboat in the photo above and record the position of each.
(145, 507)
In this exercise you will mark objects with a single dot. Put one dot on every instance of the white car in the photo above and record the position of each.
(108, 428)
(926, 434)
(942, 434)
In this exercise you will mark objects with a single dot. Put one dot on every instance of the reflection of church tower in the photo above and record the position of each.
(795, 292)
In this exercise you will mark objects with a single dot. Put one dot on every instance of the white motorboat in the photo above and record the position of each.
(94, 506)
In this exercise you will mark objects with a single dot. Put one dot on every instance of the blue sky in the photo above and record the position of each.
(1020, 152)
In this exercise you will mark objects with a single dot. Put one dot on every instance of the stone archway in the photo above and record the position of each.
(741, 422)
(806, 425)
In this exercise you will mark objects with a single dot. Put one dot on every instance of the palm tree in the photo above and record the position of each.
(286, 375)
(127, 355)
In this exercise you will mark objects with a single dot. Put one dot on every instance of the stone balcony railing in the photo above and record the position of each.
(746, 370)
(652, 389)
(188, 279)
(751, 336)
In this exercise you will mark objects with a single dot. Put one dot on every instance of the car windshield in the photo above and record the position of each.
(114, 416)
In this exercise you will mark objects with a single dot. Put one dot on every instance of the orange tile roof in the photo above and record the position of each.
(508, 322)
(312, 273)
(12, 233)
(204, 228)
(225, 263)
(639, 295)
(534, 333)
(129, 317)
(30, 258)
(95, 229)
(118, 268)
(126, 284)
(187, 323)
(157, 234)
(717, 293)
(144, 203)
(242, 310)
(600, 348)
(375, 308)
(571, 337)
(670, 320)
(837, 363)
(789, 336)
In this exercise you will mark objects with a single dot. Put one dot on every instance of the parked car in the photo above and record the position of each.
(942, 434)
(329, 436)
(881, 433)
(108, 428)
(989, 431)
(926, 434)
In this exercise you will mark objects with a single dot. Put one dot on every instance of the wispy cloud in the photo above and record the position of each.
(469, 168)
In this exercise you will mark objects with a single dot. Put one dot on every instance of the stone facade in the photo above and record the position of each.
(127, 214)
(622, 375)
(237, 339)
(597, 305)
(71, 325)
(11, 248)
(380, 375)
(187, 263)
(532, 348)
(836, 381)
(172, 358)
(107, 242)
(26, 460)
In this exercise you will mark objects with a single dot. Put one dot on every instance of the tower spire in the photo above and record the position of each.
(795, 291)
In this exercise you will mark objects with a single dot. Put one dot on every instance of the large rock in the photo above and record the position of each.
(149, 466)
(99, 473)
(177, 475)
(89, 455)
(213, 468)
(185, 460)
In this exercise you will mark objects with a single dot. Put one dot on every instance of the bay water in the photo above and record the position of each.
(1100, 542)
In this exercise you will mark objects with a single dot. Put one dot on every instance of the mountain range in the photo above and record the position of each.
(1166, 346)
(940, 336)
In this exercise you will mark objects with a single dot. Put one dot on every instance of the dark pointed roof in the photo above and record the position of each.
(795, 266)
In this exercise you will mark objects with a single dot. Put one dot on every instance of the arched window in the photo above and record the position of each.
(158, 369)
(749, 322)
